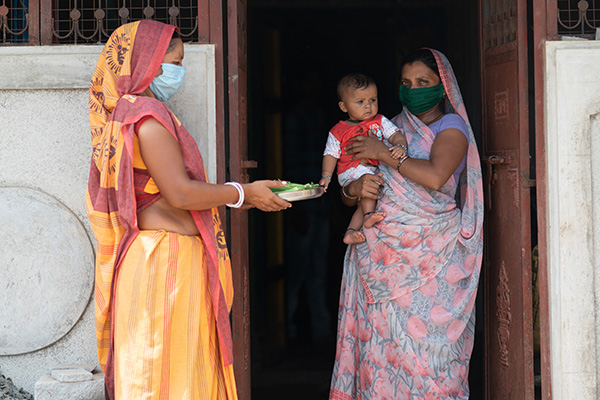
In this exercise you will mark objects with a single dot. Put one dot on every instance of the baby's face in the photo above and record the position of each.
(360, 104)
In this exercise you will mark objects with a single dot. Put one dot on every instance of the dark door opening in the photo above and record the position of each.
(297, 51)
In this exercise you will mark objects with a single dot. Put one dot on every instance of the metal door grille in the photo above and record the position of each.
(578, 17)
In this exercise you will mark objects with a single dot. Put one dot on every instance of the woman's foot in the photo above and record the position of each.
(352, 236)
(371, 218)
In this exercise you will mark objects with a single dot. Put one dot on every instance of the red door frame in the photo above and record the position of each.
(506, 279)
(544, 17)
(238, 165)
(228, 34)
(544, 28)
(544, 22)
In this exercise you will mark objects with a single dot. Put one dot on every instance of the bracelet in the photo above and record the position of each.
(403, 147)
(326, 176)
(400, 161)
(346, 194)
(240, 193)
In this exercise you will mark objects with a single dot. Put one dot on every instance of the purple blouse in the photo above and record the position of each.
(452, 121)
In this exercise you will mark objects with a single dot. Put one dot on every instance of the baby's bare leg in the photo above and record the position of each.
(370, 217)
(353, 234)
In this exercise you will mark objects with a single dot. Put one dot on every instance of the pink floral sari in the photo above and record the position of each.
(406, 317)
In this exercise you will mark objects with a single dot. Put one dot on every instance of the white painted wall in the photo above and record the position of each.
(46, 244)
(573, 202)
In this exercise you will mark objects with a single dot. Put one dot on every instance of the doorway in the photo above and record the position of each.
(297, 51)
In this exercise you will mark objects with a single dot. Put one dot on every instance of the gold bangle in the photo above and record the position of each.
(401, 161)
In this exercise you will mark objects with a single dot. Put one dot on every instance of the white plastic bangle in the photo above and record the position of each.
(347, 195)
(240, 193)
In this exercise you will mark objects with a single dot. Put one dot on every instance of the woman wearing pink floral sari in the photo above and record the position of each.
(406, 317)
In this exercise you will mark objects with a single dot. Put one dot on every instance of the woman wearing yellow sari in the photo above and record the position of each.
(163, 278)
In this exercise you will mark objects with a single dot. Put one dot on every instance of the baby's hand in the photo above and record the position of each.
(324, 182)
(397, 152)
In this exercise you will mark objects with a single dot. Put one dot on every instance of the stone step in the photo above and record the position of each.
(70, 382)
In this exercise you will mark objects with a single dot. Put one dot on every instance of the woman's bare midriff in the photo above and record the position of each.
(162, 216)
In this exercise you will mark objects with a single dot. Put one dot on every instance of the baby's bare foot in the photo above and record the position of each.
(352, 236)
(371, 218)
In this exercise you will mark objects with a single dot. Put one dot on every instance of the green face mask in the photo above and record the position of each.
(422, 99)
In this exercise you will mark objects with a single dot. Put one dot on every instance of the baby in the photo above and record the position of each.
(358, 98)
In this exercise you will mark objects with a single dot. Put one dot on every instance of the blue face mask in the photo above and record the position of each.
(168, 83)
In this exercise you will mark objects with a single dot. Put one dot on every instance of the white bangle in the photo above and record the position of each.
(240, 193)
(347, 195)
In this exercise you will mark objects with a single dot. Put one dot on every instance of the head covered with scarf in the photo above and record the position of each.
(127, 65)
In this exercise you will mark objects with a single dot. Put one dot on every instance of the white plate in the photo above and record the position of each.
(305, 194)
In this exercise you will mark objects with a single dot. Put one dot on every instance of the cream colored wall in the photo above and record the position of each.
(46, 244)
(573, 219)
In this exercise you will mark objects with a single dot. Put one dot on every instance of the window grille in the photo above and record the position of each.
(14, 21)
(578, 17)
(90, 21)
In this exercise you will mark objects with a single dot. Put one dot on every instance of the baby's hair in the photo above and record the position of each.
(353, 81)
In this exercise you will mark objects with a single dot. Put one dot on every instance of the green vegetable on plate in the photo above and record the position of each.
(293, 187)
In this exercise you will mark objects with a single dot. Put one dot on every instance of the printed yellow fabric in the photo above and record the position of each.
(165, 325)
